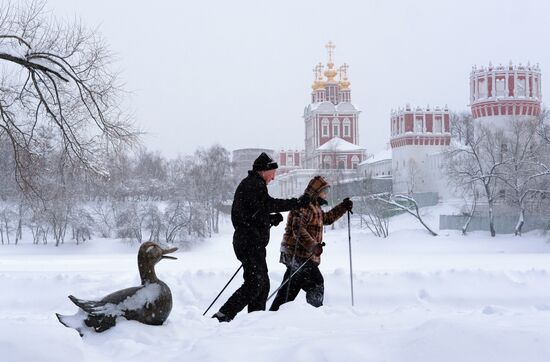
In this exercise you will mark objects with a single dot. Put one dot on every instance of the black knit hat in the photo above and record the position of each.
(264, 163)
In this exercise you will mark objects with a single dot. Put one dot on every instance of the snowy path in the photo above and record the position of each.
(418, 298)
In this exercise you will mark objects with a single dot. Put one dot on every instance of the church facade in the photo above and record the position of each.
(331, 125)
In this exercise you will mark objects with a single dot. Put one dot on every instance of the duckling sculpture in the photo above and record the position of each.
(149, 303)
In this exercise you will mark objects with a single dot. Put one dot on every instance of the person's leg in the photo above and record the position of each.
(314, 286)
(260, 288)
(294, 286)
(242, 296)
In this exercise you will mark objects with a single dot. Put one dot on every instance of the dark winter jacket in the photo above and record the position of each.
(251, 208)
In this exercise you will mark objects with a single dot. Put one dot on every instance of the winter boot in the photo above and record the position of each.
(221, 317)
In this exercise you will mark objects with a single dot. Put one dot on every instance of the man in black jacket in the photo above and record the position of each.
(252, 214)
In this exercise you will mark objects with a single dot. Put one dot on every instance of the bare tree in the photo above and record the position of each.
(413, 175)
(404, 203)
(462, 127)
(210, 177)
(478, 163)
(525, 168)
(58, 75)
(374, 215)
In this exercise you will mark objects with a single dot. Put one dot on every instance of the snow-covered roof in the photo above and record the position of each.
(339, 145)
(380, 156)
(328, 107)
(346, 107)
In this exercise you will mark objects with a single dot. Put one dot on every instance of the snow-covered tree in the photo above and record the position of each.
(58, 75)
(477, 165)
(525, 171)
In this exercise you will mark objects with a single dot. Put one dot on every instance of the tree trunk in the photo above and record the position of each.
(467, 223)
(19, 231)
(491, 220)
(521, 221)
(7, 230)
(490, 203)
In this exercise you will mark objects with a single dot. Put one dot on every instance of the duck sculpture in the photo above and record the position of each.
(150, 303)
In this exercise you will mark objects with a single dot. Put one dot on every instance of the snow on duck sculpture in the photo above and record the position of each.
(149, 303)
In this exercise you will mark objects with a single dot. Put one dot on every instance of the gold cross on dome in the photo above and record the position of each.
(319, 70)
(330, 48)
(344, 70)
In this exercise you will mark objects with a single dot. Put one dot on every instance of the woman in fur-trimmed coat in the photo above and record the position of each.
(305, 225)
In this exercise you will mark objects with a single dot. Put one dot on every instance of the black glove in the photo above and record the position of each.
(348, 204)
(318, 249)
(275, 219)
(303, 201)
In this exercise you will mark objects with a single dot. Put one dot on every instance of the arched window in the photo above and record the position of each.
(354, 162)
(326, 162)
(418, 125)
(520, 87)
(437, 125)
(500, 87)
(290, 159)
(341, 164)
(335, 127)
(347, 128)
(324, 127)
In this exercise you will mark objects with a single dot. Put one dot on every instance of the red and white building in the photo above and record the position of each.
(331, 120)
(331, 133)
(420, 137)
(289, 160)
(500, 94)
(417, 133)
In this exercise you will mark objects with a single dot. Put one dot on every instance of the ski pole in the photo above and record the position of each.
(350, 263)
(220, 293)
(288, 279)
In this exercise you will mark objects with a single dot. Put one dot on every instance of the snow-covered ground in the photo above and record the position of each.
(417, 298)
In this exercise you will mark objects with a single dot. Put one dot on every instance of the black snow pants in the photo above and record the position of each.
(255, 288)
(309, 279)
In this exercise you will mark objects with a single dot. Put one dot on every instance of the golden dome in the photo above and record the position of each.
(319, 83)
(344, 82)
(330, 73)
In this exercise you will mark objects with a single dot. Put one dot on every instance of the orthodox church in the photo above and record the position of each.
(331, 124)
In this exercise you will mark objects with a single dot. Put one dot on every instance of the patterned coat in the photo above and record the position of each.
(308, 222)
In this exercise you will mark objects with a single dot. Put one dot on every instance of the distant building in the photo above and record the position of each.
(331, 120)
(242, 160)
(377, 166)
(420, 138)
(331, 134)
(289, 160)
(500, 94)
(415, 134)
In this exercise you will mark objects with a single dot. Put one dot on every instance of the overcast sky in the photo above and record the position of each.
(239, 73)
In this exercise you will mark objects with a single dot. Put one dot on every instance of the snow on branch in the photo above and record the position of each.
(394, 200)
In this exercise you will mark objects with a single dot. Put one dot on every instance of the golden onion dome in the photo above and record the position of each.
(344, 84)
(330, 73)
(319, 83)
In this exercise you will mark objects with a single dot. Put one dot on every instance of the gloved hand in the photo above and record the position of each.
(348, 204)
(275, 219)
(318, 249)
(303, 201)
